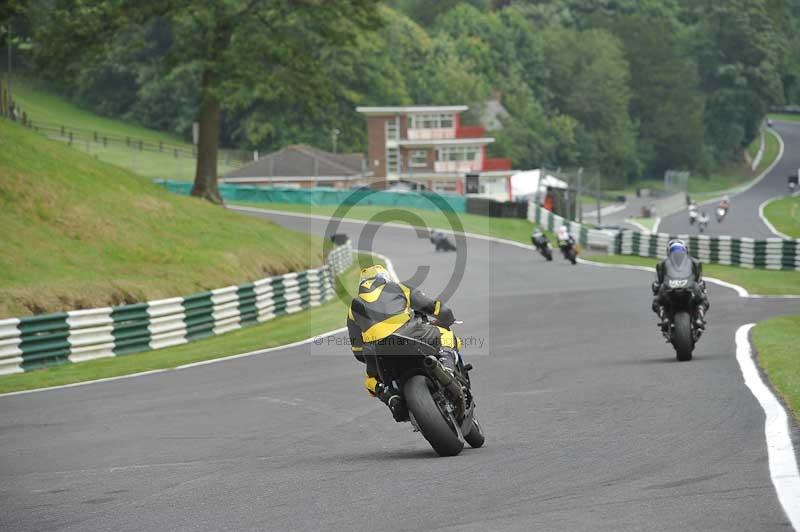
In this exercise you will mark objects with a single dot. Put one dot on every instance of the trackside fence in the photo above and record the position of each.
(769, 253)
(588, 238)
(80, 335)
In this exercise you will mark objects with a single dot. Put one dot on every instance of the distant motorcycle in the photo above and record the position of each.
(441, 242)
(570, 250)
(721, 212)
(692, 215)
(543, 246)
(702, 222)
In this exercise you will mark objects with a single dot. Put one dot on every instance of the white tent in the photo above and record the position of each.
(528, 183)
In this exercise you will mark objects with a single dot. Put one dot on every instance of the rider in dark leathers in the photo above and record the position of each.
(676, 253)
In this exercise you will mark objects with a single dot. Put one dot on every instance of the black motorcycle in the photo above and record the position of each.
(569, 250)
(678, 290)
(441, 242)
(440, 403)
(543, 246)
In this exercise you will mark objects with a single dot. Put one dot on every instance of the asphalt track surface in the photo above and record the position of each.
(591, 424)
(742, 219)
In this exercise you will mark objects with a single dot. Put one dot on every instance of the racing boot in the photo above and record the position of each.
(393, 400)
(700, 318)
(662, 317)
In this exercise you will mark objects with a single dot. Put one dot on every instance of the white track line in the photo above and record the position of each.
(767, 222)
(184, 366)
(782, 457)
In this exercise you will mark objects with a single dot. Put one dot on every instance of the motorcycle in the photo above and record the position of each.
(721, 212)
(702, 223)
(543, 246)
(440, 404)
(692, 216)
(570, 250)
(678, 288)
(441, 242)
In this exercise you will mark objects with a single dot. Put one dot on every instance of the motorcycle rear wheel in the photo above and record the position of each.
(682, 336)
(430, 419)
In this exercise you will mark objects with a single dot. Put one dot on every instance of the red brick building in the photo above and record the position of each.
(429, 145)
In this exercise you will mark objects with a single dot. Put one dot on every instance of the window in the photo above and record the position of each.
(418, 158)
(457, 153)
(431, 121)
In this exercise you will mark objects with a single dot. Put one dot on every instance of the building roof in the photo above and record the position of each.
(412, 109)
(302, 160)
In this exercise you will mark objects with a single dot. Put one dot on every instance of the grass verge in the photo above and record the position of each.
(784, 214)
(776, 341)
(647, 223)
(508, 228)
(785, 117)
(77, 233)
(41, 106)
(277, 332)
(765, 282)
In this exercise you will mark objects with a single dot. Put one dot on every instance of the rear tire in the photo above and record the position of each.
(682, 336)
(548, 254)
(573, 257)
(432, 424)
(475, 437)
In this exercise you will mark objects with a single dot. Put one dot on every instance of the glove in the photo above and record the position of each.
(655, 286)
(445, 317)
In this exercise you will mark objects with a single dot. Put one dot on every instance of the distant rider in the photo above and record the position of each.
(565, 239)
(384, 307)
(725, 203)
(677, 252)
(538, 239)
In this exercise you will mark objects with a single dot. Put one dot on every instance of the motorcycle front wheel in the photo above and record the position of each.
(682, 336)
(475, 437)
(437, 426)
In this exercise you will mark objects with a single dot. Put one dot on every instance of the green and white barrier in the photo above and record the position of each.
(770, 253)
(586, 237)
(79, 335)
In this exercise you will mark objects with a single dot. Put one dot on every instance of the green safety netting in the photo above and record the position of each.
(327, 196)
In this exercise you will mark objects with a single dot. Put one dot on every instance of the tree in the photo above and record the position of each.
(238, 47)
(666, 101)
(588, 79)
(738, 61)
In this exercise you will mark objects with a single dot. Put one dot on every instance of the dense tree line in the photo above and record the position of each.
(627, 87)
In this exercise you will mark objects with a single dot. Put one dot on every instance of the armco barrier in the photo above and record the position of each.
(587, 238)
(326, 196)
(79, 335)
(770, 253)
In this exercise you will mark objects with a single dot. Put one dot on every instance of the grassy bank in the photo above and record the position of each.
(784, 214)
(280, 331)
(41, 106)
(78, 233)
(507, 228)
(776, 343)
(785, 117)
(766, 282)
